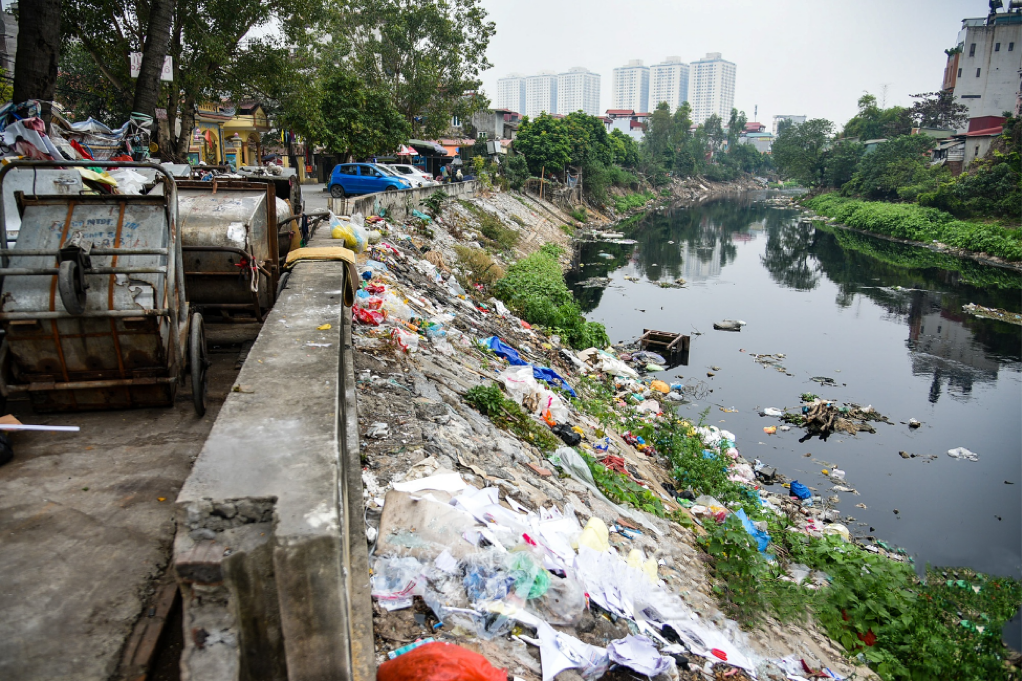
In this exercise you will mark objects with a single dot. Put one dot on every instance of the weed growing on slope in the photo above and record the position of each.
(490, 401)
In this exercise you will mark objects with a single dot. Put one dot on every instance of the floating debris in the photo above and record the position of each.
(993, 313)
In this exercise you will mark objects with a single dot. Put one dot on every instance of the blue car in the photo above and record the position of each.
(363, 178)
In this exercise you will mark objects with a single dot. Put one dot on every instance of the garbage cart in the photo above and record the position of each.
(92, 299)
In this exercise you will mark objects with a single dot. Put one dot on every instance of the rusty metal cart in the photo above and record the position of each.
(93, 305)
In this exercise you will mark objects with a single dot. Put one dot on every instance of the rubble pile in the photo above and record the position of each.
(509, 539)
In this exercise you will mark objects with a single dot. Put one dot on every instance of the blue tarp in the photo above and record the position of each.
(799, 490)
(501, 349)
(761, 537)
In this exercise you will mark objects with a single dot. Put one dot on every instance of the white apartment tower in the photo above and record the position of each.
(541, 94)
(578, 90)
(712, 88)
(668, 82)
(511, 92)
(631, 87)
(986, 68)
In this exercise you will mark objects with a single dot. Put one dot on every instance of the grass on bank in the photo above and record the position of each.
(534, 289)
(905, 628)
(624, 203)
(914, 222)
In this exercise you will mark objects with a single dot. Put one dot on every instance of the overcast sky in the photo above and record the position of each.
(793, 56)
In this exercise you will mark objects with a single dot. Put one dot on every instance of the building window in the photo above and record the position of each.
(977, 73)
(959, 73)
(1011, 47)
(972, 50)
(997, 47)
(977, 150)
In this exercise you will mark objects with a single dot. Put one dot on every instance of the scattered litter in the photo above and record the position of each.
(963, 454)
(378, 430)
(729, 325)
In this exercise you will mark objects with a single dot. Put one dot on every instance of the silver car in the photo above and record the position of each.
(417, 176)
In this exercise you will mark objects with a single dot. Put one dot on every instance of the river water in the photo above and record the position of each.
(884, 320)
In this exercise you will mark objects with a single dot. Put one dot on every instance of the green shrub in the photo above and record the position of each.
(490, 401)
(919, 223)
(534, 288)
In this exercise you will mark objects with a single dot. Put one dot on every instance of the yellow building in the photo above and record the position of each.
(226, 134)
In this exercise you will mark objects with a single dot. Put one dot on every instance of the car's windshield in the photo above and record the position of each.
(387, 171)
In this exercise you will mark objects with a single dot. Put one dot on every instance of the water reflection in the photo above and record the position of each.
(922, 289)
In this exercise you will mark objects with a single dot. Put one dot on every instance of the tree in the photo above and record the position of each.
(715, 133)
(939, 110)
(544, 143)
(588, 138)
(211, 59)
(735, 126)
(798, 151)
(358, 119)
(659, 134)
(157, 42)
(891, 166)
(872, 122)
(517, 171)
(625, 149)
(35, 66)
(840, 161)
(426, 54)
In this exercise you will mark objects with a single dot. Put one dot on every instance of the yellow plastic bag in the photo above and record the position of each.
(353, 235)
(595, 535)
(660, 387)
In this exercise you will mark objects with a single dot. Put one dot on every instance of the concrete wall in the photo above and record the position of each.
(400, 204)
(994, 89)
(270, 553)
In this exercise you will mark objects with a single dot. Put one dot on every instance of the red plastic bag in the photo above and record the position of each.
(439, 662)
(370, 317)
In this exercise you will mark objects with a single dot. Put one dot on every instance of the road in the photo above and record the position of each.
(86, 525)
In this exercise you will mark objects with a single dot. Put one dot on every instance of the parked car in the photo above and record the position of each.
(363, 178)
(413, 180)
(412, 172)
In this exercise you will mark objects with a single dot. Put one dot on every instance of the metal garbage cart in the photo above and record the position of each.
(93, 304)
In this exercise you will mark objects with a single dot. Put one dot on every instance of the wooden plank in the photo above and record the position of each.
(140, 650)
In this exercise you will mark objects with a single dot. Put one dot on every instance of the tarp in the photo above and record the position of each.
(761, 537)
(501, 349)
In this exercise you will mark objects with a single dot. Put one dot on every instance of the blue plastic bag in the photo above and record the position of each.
(501, 349)
(762, 538)
(799, 490)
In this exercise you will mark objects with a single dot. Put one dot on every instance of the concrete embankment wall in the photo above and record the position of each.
(270, 552)
(400, 204)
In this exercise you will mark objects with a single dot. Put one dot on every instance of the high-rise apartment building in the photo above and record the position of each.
(511, 92)
(668, 82)
(631, 87)
(712, 88)
(541, 94)
(578, 90)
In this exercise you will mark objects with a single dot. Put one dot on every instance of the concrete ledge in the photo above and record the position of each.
(400, 204)
(274, 577)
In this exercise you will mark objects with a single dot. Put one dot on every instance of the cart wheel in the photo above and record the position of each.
(337, 191)
(198, 358)
(72, 294)
(282, 284)
(6, 452)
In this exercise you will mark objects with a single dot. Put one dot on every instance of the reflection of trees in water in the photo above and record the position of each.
(956, 349)
(588, 264)
(789, 252)
(705, 233)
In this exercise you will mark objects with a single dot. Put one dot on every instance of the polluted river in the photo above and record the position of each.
(850, 318)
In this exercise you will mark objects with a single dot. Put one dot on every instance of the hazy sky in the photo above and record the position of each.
(793, 56)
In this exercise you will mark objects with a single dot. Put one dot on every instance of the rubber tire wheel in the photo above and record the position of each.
(391, 188)
(337, 191)
(198, 360)
(6, 451)
(281, 285)
(71, 295)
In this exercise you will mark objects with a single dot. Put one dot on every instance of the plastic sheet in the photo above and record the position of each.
(354, 235)
(439, 662)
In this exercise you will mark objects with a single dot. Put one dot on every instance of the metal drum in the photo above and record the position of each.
(93, 304)
(231, 244)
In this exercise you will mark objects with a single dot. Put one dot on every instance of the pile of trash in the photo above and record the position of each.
(479, 535)
(821, 418)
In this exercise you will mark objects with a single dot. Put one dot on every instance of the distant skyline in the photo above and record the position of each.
(793, 56)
